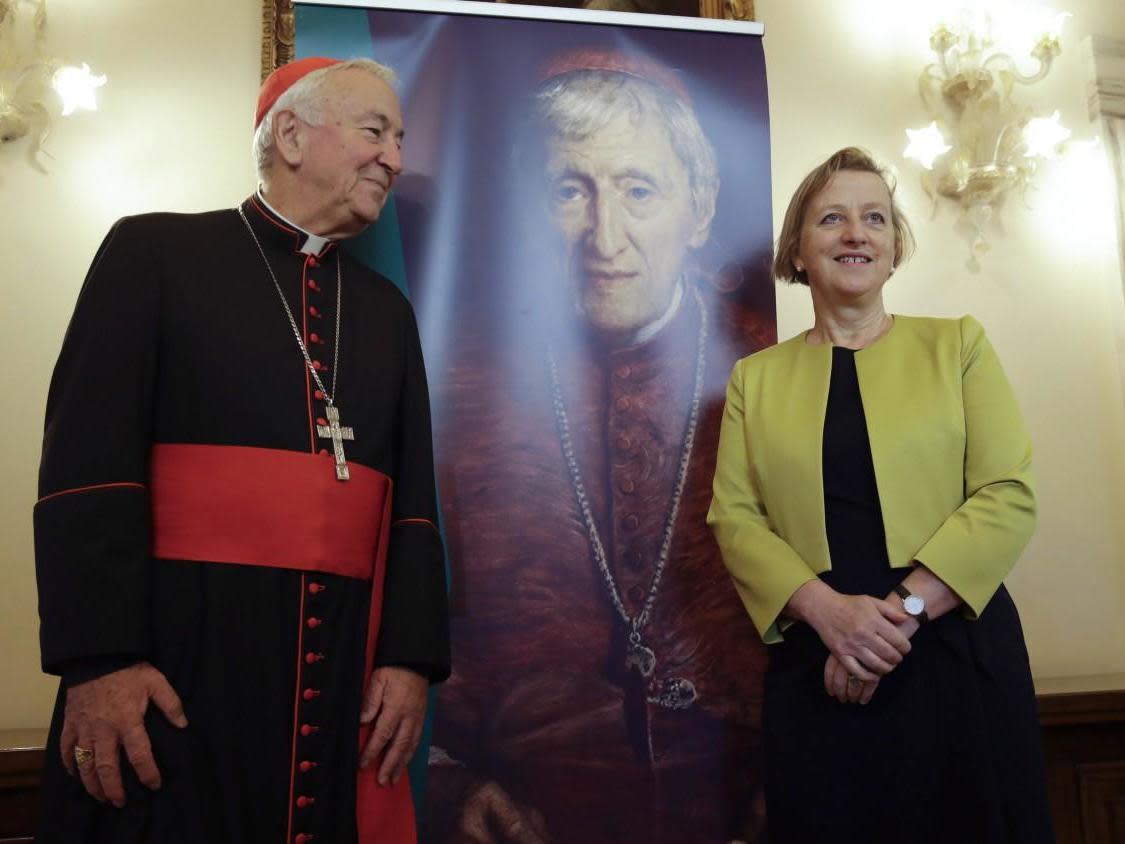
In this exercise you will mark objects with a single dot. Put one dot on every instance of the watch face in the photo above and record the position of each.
(913, 605)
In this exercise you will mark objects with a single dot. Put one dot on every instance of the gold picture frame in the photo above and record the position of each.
(279, 34)
(279, 28)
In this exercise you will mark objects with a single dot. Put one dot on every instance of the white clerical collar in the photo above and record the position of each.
(653, 328)
(314, 244)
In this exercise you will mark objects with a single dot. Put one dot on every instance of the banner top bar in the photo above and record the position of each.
(554, 13)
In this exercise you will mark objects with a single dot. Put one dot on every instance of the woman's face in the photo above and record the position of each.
(847, 245)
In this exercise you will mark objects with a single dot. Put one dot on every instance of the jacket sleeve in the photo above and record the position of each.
(414, 631)
(766, 569)
(977, 545)
(92, 523)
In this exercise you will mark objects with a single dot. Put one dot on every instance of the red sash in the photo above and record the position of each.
(250, 506)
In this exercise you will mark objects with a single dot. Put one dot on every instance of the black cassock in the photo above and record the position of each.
(180, 339)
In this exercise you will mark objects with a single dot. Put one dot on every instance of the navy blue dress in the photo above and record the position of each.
(948, 748)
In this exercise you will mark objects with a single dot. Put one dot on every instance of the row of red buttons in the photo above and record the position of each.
(316, 339)
(314, 312)
(303, 801)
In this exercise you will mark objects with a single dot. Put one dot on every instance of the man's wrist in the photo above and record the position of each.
(79, 671)
(422, 671)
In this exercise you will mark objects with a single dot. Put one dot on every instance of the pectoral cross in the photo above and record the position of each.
(335, 432)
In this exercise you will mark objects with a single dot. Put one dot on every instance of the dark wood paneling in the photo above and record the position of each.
(1084, 742)
(1101, 786)
(21, 760)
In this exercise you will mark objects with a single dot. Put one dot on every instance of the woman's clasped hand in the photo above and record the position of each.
(867, 637)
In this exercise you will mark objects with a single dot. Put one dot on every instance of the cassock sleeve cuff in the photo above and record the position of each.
(414, 632)
(79, 671)
(92, 564)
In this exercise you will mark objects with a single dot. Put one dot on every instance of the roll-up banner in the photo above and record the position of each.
(584, 226)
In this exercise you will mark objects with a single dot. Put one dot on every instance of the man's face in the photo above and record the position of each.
(350, 161)
(621, 199)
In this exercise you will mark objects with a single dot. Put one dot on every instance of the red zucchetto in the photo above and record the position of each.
(282, 79)
(613, 61)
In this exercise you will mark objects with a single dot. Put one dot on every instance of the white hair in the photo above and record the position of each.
(579, 103)
(306, 99)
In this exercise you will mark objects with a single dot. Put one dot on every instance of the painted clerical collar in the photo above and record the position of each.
(310, 244)
(646, 333)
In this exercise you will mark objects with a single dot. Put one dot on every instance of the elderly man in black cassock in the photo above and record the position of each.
(240, 578)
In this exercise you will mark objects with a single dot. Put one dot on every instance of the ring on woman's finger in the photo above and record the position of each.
(83, 756)
(852, 679)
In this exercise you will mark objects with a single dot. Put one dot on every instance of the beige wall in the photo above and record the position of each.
(173, 133)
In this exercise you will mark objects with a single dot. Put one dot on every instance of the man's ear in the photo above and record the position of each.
(288, 137)
(702, 229)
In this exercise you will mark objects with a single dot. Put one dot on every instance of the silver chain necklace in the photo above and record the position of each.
(677, 693)
(333, 430)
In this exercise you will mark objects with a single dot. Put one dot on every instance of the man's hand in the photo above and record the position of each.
(396, 701)
(107, 713)
(491, 816)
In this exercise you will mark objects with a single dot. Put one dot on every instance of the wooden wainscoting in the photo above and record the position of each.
(1083, 722)
(21, 760)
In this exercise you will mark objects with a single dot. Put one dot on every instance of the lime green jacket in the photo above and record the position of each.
(952, 463)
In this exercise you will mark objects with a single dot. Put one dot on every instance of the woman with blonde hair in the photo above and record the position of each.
(873, 489)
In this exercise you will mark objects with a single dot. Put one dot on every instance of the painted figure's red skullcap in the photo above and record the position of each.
(612, 61)
(282, 79)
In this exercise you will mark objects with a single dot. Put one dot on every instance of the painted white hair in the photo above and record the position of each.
(306, 98)
(579, 103)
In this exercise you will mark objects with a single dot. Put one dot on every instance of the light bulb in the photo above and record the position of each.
(76, 86)
(926, 145)
(1043, 136)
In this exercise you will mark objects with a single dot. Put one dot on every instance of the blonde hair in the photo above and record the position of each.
(849, 158)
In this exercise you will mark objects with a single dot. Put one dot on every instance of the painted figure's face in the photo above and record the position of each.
(621, 199)
(847, 237)
(351, 160)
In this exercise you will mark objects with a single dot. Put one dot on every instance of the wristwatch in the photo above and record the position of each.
(914, 605)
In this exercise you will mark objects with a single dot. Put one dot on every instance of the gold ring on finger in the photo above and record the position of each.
(83, 756)
(852, 679)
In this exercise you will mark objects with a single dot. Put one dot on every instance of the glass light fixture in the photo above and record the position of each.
(982, 145)
(28, 73)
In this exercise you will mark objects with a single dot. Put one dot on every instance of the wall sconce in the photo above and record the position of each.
(27, 73)
(982, 145)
